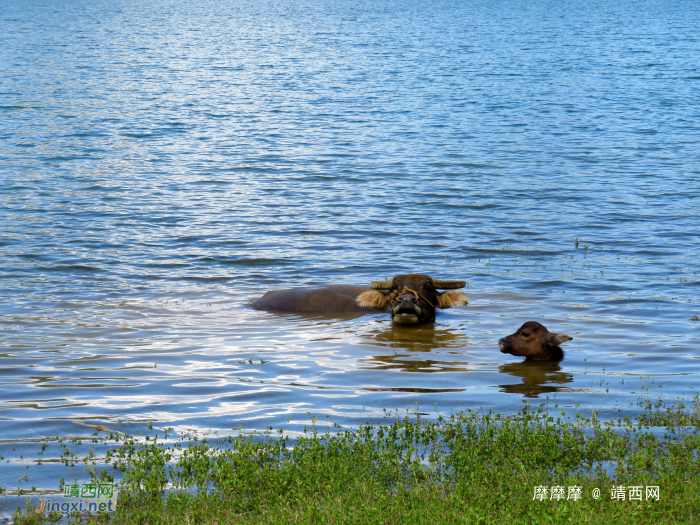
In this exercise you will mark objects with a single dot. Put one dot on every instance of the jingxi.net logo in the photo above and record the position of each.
(87, 497)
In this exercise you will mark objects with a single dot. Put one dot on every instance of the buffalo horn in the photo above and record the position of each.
(382, 285)
(448, 284)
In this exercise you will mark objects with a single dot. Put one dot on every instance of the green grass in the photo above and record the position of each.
(469, 467)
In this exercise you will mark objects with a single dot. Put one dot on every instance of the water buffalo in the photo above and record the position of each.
(413, 298)
(535, 342)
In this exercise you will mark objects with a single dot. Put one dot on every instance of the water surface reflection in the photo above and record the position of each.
(405, 341)
(142, 207)
(537, 378)
(424, 339)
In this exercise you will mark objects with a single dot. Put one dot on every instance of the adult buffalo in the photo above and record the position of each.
(534, 342)
(413, 298)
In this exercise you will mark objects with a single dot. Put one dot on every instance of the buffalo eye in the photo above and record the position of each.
(524, 334)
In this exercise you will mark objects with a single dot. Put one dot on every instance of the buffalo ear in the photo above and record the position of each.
(451, 299)
(558, 339)
(373, 299)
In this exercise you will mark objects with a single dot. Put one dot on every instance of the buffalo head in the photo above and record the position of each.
(534, 342)
(413, 298)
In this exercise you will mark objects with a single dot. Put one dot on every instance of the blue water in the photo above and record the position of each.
(164, 163)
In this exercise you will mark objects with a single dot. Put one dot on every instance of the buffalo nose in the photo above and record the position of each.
(408, 297)
(502, 344)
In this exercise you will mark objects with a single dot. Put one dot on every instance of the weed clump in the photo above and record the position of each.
(463, 468)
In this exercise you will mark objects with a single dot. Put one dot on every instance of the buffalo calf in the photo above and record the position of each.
(534, 342)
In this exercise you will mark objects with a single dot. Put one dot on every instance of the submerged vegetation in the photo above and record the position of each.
(540, 465)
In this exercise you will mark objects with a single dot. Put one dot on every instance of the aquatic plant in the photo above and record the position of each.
(464, 467)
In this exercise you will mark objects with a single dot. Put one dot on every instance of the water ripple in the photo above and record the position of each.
(158, 173)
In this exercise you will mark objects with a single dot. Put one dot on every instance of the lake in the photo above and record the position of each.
(163, 164)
